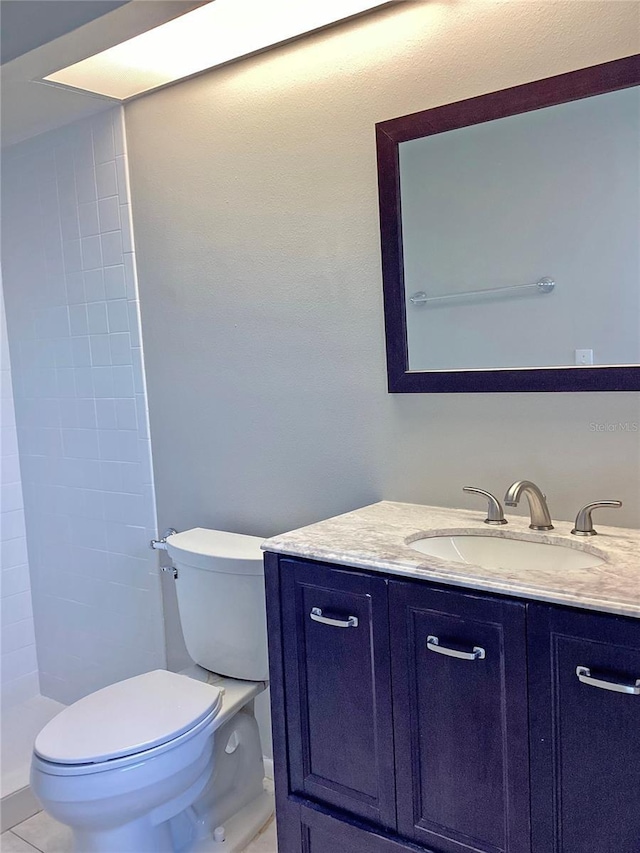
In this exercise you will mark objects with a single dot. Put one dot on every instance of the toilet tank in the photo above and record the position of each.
(220, 588)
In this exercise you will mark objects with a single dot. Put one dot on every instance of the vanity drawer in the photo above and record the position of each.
(338, 688)
(460, 690)
(322, 832)
(585, 731)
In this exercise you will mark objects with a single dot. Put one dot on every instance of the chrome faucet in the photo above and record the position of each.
(540, 518)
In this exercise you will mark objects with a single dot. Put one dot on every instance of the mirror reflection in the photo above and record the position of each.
(520, 239)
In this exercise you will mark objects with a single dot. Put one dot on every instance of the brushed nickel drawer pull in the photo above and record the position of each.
(584, 675)
(349, 622)
(433, 644)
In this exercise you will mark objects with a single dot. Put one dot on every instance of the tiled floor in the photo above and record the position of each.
(43, 834)
(265, 842)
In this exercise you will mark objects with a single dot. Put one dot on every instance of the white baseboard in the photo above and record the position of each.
(268, 767)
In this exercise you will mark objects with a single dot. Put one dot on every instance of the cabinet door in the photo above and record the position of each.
(337, 688)
(460, 718)
(585, 731)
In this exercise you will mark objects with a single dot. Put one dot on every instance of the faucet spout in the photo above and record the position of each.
(538, 509)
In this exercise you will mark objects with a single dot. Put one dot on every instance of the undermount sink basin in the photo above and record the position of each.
(493, 552)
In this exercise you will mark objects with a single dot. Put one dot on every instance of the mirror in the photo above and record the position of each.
(510, 227)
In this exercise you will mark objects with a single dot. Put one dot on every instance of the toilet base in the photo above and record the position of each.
(243, 827)
(139, 836)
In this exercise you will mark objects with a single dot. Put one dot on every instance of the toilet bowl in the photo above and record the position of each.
(166, 762)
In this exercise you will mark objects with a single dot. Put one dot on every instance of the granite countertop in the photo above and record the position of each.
(375, 537)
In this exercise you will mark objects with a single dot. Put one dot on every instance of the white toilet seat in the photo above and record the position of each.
(53, 769)
(126, 722)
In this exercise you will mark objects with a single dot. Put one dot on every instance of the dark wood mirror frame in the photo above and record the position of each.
(596, 80)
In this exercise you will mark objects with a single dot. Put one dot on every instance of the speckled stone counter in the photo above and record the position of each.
(376, 537)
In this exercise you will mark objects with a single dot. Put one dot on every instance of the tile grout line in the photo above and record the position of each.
(13, 830)
(23, 839)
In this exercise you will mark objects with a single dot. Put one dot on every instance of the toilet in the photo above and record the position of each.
(171, 762)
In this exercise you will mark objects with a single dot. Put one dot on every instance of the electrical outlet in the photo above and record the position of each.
(584, 356)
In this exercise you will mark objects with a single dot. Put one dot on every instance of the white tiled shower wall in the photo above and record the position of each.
(19, 662)
(74, 333)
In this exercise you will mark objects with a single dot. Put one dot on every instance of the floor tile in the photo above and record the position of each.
(10, 843)
(265, 842)
(45, 833)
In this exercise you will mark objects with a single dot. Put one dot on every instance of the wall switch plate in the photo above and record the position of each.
(584, 356)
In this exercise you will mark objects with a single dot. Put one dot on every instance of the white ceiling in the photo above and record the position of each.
(55, 37)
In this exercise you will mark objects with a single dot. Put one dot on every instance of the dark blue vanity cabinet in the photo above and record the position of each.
(585, 731)
(461, 729)
(337, 696)
(412, 717)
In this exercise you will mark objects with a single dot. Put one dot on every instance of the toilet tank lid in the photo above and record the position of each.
(217, 550)
(126, 718)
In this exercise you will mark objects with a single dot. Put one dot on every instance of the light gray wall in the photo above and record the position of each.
(255, 210)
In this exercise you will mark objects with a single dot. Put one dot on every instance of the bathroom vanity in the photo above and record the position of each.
(426, 704)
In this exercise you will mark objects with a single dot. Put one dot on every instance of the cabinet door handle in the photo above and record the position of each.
(584, 675)
(433, 644)
(349, 622)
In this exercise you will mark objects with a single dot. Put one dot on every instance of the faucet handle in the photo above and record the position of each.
(495, 514)
(584, 524)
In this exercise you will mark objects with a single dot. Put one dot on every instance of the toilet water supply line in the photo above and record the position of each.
(161, 545)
